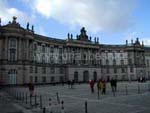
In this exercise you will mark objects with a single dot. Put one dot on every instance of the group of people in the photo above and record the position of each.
(71, 83)
(113, 83)
(101, 85)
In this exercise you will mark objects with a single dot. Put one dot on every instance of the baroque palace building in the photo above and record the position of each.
(26, 56)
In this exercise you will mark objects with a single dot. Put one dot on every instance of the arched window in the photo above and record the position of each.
(95, 76)
(12, 75)
(76, 76)
(85, 76)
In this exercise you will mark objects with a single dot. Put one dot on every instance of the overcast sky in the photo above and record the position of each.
(113, 21)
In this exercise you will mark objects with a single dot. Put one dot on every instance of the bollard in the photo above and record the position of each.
(35, 100)
(114, 93)
(86, 111)
(50, 105)
(97, 93)
(138, 89)
(58, 100)
(20, 96)
(44, 110)
(26, 98)
(23, 96)
(148, 87)
(30, 100)
(126, 88)
(17, 95)
(41, 102)
(62, 107)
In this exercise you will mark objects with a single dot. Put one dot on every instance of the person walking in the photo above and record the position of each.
(31, 88)
(103, 85)
(99, 85)
(112, 84)
(69, 83)
(92, 86)
(115, 85)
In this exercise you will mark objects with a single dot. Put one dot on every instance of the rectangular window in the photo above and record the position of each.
(12, 54)
(61, 71)
(13, 43)
(107, 62)
(114, 62)
(31, 78)
(36, 69)
(115, 70)
(12, 50)
(122, 62)
(43, 49)
(52, 79)
(36, 79)
(107, 70)
(102, 70)
(31, 69)
(100, 62)
(44, 70)
(131, 69)
(52, 49)
(44, 79)
(122, 70)
(130, 61)
(52, 70)
(61, 79)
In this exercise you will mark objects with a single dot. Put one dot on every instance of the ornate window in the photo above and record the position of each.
(12, 50)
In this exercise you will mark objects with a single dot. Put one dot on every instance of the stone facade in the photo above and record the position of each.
(26, 56)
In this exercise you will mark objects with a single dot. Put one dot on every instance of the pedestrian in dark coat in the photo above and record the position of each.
(31, 88)
(92, 85)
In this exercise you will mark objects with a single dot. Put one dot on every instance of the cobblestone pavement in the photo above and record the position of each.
(130, 98)
(6, 104)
